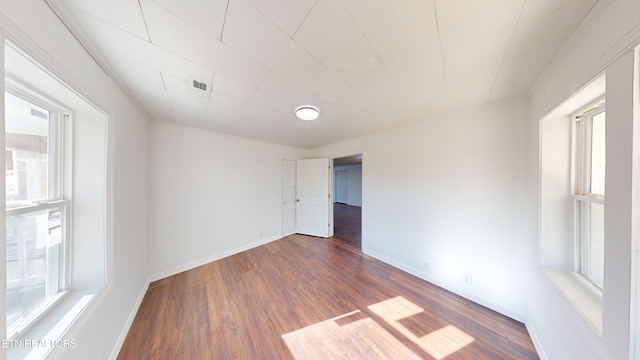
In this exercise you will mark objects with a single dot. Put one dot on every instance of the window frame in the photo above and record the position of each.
(58, 195)
(581, 195)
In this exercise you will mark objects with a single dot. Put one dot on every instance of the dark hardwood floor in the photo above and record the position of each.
(303, 297)
(347, 224)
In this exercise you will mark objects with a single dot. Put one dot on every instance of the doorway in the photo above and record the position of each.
(347, 200)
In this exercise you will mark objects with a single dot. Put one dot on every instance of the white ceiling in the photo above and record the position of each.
(367, 64)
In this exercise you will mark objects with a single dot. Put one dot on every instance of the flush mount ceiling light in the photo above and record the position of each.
(307, 112)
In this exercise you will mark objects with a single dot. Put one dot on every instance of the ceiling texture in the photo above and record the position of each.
(368, 65)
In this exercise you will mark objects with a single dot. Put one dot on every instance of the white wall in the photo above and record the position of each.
(101, 327)
(601, 44)
(354, 183)
(211, 195)
(450, 191)
(555, 190)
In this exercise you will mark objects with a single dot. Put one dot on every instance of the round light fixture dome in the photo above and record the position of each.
(307, 112)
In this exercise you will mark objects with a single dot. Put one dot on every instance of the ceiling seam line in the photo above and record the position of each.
(97, 58)
(364, 36)
(304, 19)
(384, 66)
(77, 37)
(106, 23)
(224, 21)
(263, 79)
(506, 51)
(213, 76)
(442, 59)
(196, 26)
(144, 20)
(351, 16)
(269, 20)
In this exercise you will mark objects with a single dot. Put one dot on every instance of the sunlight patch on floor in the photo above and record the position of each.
(396, 309)
(444, 342)
(360, 339)
(355, 335)
(439, 344)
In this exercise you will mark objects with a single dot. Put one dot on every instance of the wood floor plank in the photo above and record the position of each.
(348, 224)
(295, 298)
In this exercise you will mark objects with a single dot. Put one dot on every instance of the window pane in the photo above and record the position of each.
(26, 151)
(591, 241)
(598, 153)
(33, 262)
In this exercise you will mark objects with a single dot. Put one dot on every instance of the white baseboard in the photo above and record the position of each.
(536, 341)
(516, 315)
(208, 259)
(129, 322)
(125, 330)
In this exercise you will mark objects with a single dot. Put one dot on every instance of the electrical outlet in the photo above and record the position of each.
(466, 278)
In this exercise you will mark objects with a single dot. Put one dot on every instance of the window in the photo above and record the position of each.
(572, 194)
(56, 199)
(588, 194)
(37, 206)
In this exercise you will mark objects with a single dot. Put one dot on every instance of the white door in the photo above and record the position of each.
(312, 186)
(342, 190)
(288, 197)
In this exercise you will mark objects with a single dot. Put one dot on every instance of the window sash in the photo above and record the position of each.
(589, 239)
(587, 227)
(56, 282)
(44, 205)
(583, 146)
(599, 199)
(56, 139)
(54, 256)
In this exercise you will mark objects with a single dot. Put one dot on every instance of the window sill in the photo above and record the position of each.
(26, 324)
(584, 297)
(48, 332)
